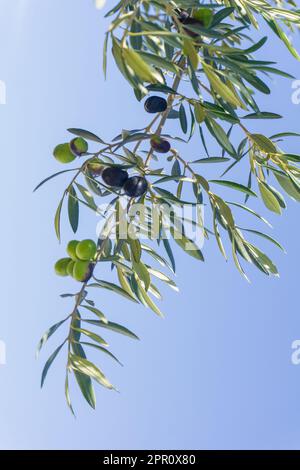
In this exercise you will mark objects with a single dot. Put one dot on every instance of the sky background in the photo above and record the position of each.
(216, 373)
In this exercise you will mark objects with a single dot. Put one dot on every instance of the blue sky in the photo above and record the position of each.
(216, 372)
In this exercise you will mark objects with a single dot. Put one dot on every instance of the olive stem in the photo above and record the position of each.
(185, 164)
(169, 107)
(147, 129)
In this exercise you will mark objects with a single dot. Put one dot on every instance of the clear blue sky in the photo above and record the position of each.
(216, 373)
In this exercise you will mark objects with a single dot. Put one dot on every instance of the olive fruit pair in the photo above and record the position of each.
(159, 144)
(79, 264)
(134, 186)
(67, 152)
(155, 104)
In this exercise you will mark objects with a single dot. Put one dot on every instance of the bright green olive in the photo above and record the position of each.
(71, 249)
(78, 146)
(86, 250)
(70, 267)
(63, 154)
(204, 16)
(82, 270)
(61, 266)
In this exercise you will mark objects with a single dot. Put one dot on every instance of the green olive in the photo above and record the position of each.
(61, 266)
(71, 249)
(82, 270)
(86, 250)
(63, 154)
(70, 267)
(204, 16)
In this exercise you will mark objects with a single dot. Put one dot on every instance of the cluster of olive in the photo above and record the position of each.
(117, 177)
(135, 186)
(114, 176)
(81, 260)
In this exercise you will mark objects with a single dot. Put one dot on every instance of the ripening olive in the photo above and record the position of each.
(78, 146)
(61, 266)
(135, 186)
(71, 249)
(63, 154)
(82, 270)
(86, 250)
(114, 176)
(160, 145)
(95, 168)
(155, 104)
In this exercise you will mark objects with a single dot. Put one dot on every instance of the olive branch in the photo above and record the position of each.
(157, 45)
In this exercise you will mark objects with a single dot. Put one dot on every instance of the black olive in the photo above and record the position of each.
(155, 104)
(114, 176)
(135, 186)
(160, 145)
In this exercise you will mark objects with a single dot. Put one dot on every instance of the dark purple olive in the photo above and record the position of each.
(135, 186)
(155, 104)
(160, 145)
(183, 16)
(114, 176)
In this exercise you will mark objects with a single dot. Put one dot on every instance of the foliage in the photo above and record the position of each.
(156, 45)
